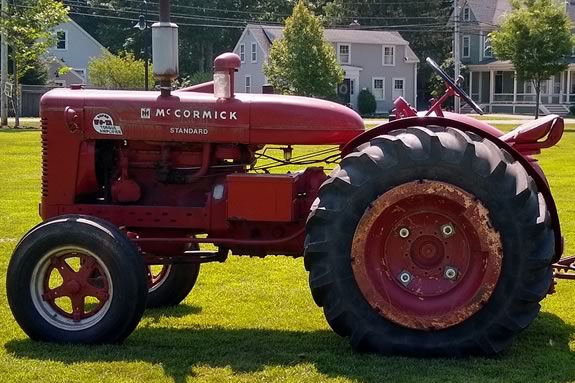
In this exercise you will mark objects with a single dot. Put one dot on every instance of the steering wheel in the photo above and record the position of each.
(460, 92)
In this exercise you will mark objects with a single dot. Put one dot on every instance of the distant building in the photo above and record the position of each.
(492, 82)
(74, 48)
(379, 61)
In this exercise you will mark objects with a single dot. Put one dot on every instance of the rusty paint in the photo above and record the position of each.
(429, 301)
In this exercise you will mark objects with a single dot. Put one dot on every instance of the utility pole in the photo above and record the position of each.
(456, 49)
(3, 70)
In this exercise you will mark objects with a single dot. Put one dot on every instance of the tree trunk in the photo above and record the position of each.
(537, 84)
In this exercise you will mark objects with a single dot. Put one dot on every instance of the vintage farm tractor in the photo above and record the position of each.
(434, 235)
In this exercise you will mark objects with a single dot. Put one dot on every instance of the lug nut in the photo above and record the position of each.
(450, 273)
(405, 278)
(404, 232)
(447, 230)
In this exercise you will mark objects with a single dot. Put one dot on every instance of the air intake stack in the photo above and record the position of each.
(165, 49)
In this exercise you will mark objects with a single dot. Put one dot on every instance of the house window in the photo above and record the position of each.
(248, 84)
(528, 87)
(466, 46)
(388, 55)
(60, 83)
(573, 51)
(487, 52)
(254, 53)
(80, 72)
(378, 88)
(243, 53)
(466, 14)
(62, 40)
(343, 52)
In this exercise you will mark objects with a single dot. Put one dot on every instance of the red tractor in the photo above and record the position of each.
(434, 235)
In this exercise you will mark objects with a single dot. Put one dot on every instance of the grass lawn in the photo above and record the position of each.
(254, 319)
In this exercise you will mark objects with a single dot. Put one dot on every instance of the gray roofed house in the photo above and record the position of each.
(74, 49)
(380, 61)
(492, 82)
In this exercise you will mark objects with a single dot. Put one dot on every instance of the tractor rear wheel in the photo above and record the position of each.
(76, 279)
(429, 242)
(168, 285)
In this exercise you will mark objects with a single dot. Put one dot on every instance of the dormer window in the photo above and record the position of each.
(61, 40)
(344, 53)
(243, 53)
(254, 53)
(466, 14)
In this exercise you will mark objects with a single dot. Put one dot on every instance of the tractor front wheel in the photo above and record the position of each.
(429, 242)
(76, 279)
(168, 285)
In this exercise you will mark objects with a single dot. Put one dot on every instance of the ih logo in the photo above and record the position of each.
(104, 124)
(145, 113)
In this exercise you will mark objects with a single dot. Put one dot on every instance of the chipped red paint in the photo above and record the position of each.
(425, 255)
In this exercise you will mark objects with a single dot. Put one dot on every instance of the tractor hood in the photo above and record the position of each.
(200, 117)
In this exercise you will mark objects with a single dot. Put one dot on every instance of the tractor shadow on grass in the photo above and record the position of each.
(540, 354)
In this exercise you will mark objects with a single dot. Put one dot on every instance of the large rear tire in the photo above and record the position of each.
(429, 242)
(76, 279)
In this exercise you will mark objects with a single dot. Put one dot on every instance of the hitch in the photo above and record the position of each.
(564, 268)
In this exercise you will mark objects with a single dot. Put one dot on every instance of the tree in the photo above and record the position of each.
(302, 62)
(121, 71)
(28, 27)
(536, 38)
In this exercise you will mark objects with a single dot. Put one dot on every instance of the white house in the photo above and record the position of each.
(74, 48)
(379, 61)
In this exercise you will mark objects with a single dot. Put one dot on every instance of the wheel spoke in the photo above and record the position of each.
(96, 292)
(87, 268)
(77, 306)
(63, 268)
(60, 291)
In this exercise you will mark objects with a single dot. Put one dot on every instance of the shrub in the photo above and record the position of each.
(366, 102)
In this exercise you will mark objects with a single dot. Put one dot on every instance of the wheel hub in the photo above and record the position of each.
(426, 256)
(427, 252)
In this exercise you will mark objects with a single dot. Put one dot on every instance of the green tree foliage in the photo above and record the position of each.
(28, 28)
(366, 102)
(535, 37)
(121, 71)
(302, 62)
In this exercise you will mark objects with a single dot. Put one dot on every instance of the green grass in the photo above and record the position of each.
(254, 319)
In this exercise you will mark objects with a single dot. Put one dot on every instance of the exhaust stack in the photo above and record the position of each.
(165, 49)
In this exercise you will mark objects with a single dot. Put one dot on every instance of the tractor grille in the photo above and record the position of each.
(44, 123)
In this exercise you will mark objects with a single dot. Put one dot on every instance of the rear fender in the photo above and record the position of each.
(482, 129)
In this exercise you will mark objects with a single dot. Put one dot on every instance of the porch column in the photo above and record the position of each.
(491, 86)
(514, 87)
(568, 86)
(471, 85)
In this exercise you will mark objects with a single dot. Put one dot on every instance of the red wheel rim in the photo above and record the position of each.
(90, 280)
(156, 279)
(426, 256)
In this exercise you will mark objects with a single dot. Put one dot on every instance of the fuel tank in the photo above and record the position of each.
(199, 117)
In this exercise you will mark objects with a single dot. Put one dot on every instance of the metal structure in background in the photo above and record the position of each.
(3, 71)
(143, 26)
(456, 48)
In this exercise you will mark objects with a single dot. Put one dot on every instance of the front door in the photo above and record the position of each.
(398, 88)
(344, 91)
